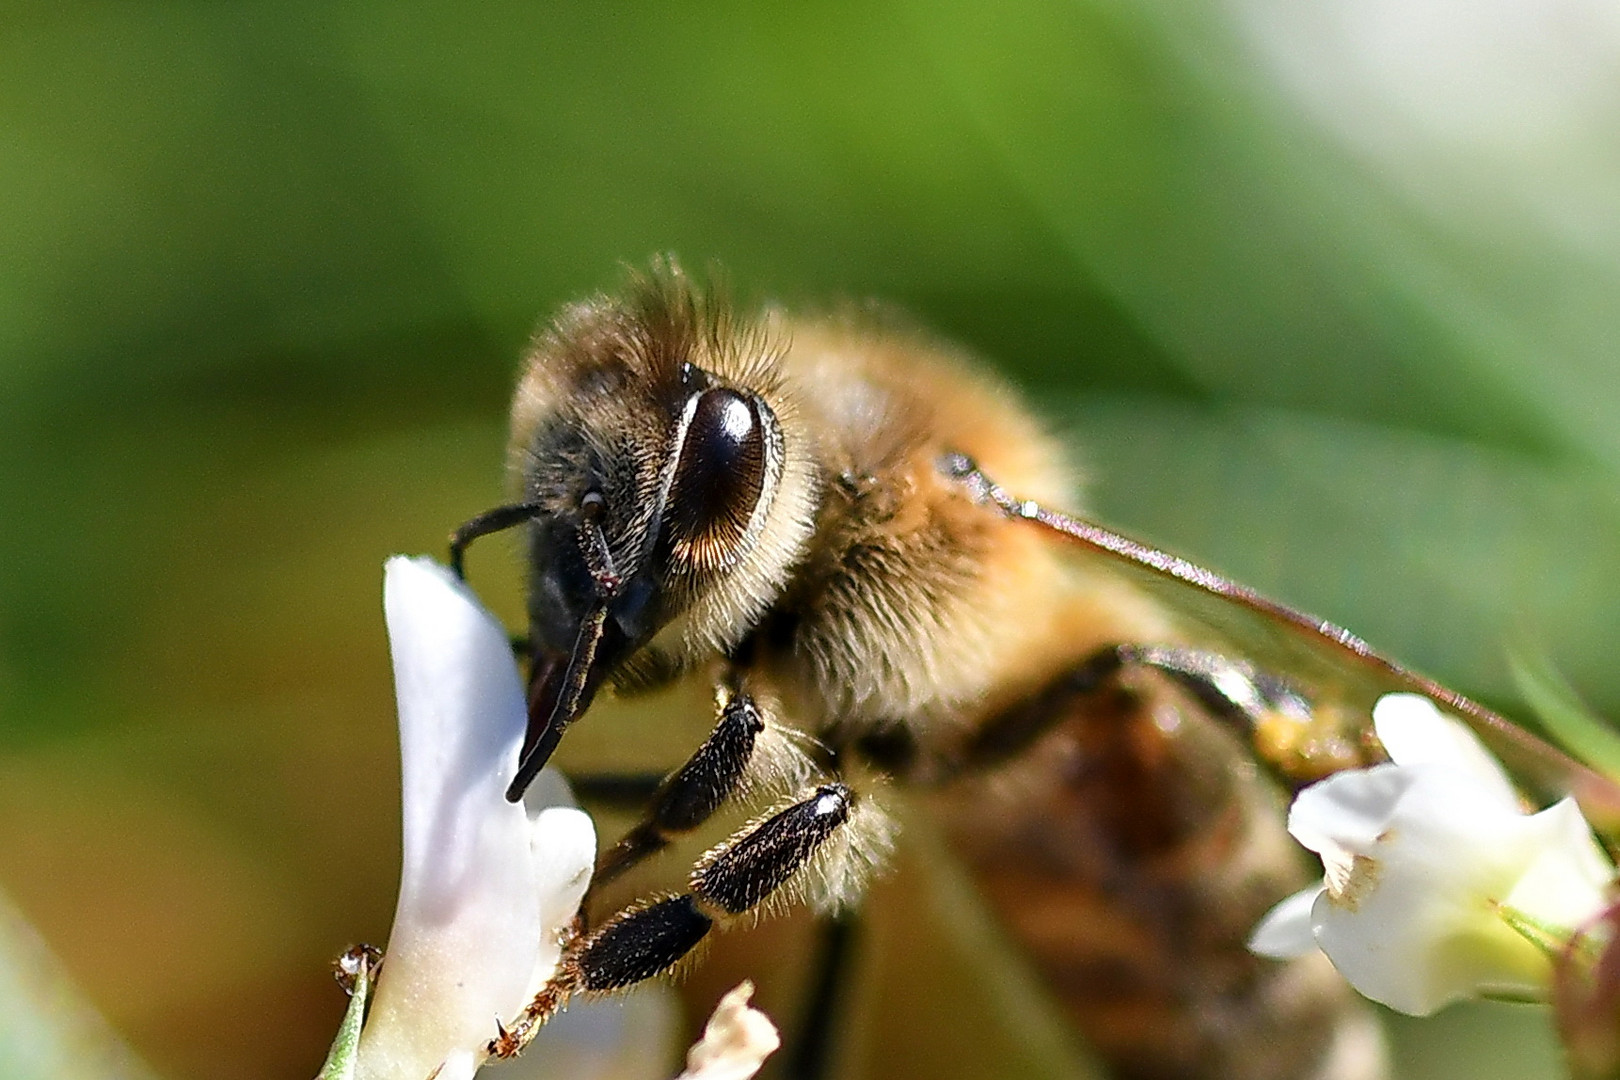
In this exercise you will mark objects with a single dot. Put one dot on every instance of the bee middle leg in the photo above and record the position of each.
(689, 796)
(816, 1041)
(648, 939)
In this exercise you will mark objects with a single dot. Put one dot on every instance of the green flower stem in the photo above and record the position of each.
(1550, 938)
(357, 968)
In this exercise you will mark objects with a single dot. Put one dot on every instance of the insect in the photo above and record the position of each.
(847, 530)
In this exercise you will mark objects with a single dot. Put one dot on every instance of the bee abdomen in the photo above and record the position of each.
(1130, 853)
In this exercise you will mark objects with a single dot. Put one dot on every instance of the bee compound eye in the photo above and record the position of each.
(720, 476)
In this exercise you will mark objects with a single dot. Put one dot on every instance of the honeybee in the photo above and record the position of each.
(846, 528)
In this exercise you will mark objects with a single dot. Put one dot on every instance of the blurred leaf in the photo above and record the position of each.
(1584, 734)
(1232, 228)
(47, 1031)
(1435, 550)
(1475, 1039)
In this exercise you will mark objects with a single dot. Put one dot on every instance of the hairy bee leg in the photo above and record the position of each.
(739, 875)
(691, 794)
(490, 521)
(1230, 691)
(647, 940)
(812, 1054)
(1009, 733)
(733, 879)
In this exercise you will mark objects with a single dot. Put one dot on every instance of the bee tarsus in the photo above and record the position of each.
(648, 939)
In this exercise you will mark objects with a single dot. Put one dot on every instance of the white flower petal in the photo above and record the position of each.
(563, 843)
(1348, 811)
(1416, 732)
(1423, 858)
(460, 1065)
(1286, 931)
(486, 885)
(1418, 924)
(736, 1041)
(1566, 882)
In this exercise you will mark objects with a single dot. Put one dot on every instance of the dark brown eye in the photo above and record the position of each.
(592, 506)
(719, 478)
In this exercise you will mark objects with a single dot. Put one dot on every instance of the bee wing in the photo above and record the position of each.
(1328, 662)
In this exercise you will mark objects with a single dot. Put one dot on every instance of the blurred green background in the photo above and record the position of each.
(1323, 295)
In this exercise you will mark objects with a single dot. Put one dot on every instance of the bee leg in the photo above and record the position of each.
(1268, 712)
(1009, 733)
(1232, 692)
(649, 939)
(813, 1048)
(690, 795)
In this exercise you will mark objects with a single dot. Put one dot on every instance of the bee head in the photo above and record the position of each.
(671, 488)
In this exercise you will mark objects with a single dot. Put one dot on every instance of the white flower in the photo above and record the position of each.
(1430, 863)
(736, 1041)
(487, 886)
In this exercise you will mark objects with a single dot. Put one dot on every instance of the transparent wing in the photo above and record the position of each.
(1327, 662)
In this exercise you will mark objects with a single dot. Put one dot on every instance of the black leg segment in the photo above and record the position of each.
(640, 943)
(1298, 742)
(1231, 691)
(699, 788)
(691, 795)
(1008, 734)
(742, 874)
(647, 940)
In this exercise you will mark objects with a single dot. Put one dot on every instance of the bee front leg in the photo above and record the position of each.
(649, 939)
(689, 796)
(490, 521)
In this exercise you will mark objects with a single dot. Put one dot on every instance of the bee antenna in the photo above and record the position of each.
(490, 521)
